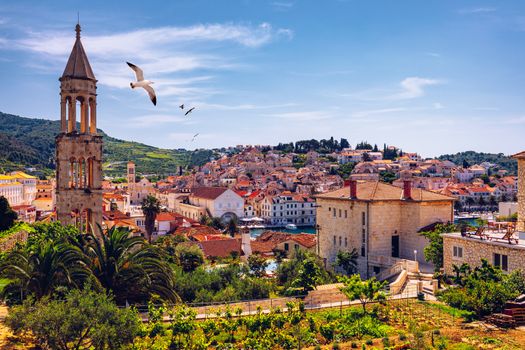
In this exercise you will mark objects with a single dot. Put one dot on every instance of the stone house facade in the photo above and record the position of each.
(379, 220)
(458, 250)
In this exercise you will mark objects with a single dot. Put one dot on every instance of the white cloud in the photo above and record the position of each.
(158, 51)
(478, 10)
(433, 54)
(438, 105)
(140, 41)
(366, 113)
(413, 87)
(242, 107)
(282, 5)
(517, 120)
(302, 116)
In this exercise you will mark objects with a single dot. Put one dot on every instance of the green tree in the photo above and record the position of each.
(84, 320)
(257, 265)
(308, 276)
(189, 256)
(129, 267)
(461, 272)
(150, 208)
(232, 227)
(366, 291)
(434, 249)
(43, 270)
(7, 215)
(347, 261)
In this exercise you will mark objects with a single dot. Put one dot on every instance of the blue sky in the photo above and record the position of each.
(428, 76)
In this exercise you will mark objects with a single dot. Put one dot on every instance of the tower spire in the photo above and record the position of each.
(78, 30)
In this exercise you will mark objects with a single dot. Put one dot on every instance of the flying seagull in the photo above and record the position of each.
(194, 136)
(142, 83)
(181, 106)
(189, 111)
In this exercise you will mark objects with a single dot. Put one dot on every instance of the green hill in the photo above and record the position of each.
(472, 157)
(28, 142)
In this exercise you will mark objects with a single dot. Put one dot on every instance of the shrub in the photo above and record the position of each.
(353, 345)
(369, 342)
(85, 318)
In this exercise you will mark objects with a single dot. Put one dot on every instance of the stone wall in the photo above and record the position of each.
(8, 243)
(474, 250)
(383, 219)
(349, 227)
(521, 194)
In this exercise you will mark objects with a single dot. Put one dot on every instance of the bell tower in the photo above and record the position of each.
(78, 150)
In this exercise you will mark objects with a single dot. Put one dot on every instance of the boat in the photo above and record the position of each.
(291, 227)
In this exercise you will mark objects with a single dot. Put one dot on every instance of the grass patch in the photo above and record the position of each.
(452, 311)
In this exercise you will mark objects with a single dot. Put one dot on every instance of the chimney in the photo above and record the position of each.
(406, 176)
(407, 189)
(353, 189)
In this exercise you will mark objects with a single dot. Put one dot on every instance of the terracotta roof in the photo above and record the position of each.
(114, 215)
(520, 155)
(268, 240)
(166, 216)
(78, 64)
(380, 191)
(221, 248)
(197, 230)
(208, 192)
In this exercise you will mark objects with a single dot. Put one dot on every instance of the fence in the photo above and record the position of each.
(253, 307)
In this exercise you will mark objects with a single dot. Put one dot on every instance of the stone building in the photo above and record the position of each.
(78, 152)
(381, 221)
(520, 157)
(505, 252)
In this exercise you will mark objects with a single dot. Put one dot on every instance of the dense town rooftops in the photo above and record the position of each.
(380, 191)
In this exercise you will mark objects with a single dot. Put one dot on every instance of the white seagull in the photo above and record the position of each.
(142, 83)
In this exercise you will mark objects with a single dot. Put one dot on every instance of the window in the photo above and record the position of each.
(346, 241)
(335, 212)
(363, 218)
(340, 241)
(286, 247)
(346, 214)
(296, 246)
(502, 261)
(457, 252)
(335, 240)
(363, 250)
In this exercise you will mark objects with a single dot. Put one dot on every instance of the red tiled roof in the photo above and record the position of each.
(208, 192)
(220, 248)
(377, 191)
(268, 240)
(166, 216)
(197, 230)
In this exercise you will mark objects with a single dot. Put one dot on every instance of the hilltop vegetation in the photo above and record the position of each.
(469, 158)
(28, 142)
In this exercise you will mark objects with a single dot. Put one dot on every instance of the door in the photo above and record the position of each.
(395, 246)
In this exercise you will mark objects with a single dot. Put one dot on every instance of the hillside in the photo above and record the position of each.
(28, 142)
(472, 157)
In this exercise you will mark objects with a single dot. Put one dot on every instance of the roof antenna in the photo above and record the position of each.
(78, 17)
(77, 27)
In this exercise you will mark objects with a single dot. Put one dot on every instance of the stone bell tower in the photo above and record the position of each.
(78, 151)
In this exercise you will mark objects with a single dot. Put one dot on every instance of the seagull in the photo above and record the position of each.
(142, 83)
(194, 136)
(189, 111)
(181, 106)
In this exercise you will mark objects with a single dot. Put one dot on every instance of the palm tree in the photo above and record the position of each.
(150, 208)
(129, 267)
(347, 261)
(44, 269)
(470, 201)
